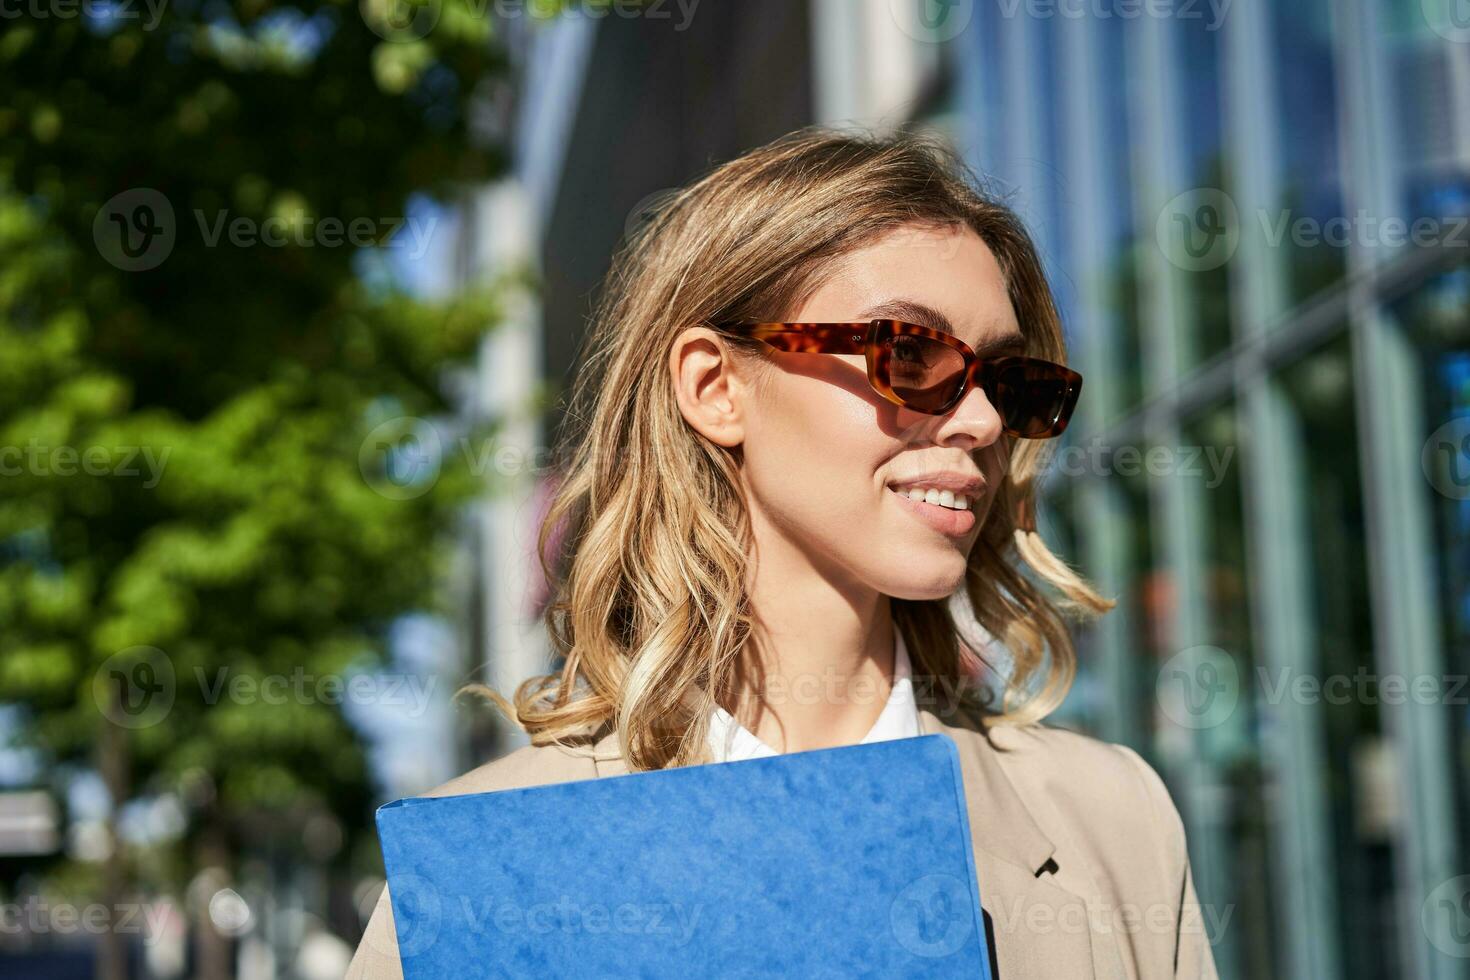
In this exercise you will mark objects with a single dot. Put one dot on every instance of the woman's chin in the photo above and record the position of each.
(927, 578)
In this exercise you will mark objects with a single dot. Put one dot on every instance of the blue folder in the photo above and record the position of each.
(827, 863)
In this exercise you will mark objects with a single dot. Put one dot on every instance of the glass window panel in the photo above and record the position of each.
(1055, 521)
(984, 38)
(1427, 126)
(1197, 69)
(1147, 587)
(1119, 263)
(1210, 462)
(1358, 781)
(1437, 316)
(1307, 134)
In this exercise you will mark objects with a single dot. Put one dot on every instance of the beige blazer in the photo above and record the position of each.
(1079, 853)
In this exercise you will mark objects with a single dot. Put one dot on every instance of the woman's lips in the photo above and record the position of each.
(945, 520)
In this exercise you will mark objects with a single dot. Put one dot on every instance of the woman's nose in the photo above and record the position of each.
(971, 424)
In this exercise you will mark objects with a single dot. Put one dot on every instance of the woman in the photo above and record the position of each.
(814, 403)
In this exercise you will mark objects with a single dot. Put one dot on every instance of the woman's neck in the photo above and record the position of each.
(818, 669)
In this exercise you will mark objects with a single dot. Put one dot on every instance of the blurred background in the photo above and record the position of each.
(289, 292)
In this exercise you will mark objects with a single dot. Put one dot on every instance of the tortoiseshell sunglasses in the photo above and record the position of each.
(929, 371)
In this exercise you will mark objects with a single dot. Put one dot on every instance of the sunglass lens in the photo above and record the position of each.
(1031, 398)
(922, 371)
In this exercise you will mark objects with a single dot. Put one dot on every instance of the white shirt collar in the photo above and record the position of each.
(729, 740)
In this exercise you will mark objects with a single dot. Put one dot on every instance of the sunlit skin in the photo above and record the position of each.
(832, 543)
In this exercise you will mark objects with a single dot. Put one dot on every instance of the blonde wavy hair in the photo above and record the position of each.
(648, 611)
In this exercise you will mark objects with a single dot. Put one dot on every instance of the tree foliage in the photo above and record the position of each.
(183, 410)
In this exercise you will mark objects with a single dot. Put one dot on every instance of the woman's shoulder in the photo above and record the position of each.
(1082, 786)
(1057, 754)
(1055, 749)
(528, 765)
(1073, 777)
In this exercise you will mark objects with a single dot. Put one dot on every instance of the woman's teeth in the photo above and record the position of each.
(944, 498)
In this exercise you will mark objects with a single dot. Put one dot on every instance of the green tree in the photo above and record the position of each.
(195, 348)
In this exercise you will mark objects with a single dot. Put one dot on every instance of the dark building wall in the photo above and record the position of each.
(660, 107)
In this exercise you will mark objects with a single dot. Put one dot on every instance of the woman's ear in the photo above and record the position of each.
(711, 393)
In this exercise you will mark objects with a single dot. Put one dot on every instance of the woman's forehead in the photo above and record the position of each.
(955, 286)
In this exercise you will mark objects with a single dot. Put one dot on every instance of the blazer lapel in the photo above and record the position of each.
(1036, 897)
(999, 820)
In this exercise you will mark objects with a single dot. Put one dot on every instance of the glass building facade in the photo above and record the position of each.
(1254, 217)
(1253, 214)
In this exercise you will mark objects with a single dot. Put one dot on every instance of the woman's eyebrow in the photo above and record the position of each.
(910, 312)
(1008, 343)
(927, 316)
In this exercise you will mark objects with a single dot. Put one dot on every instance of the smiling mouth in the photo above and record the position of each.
(941, 498)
